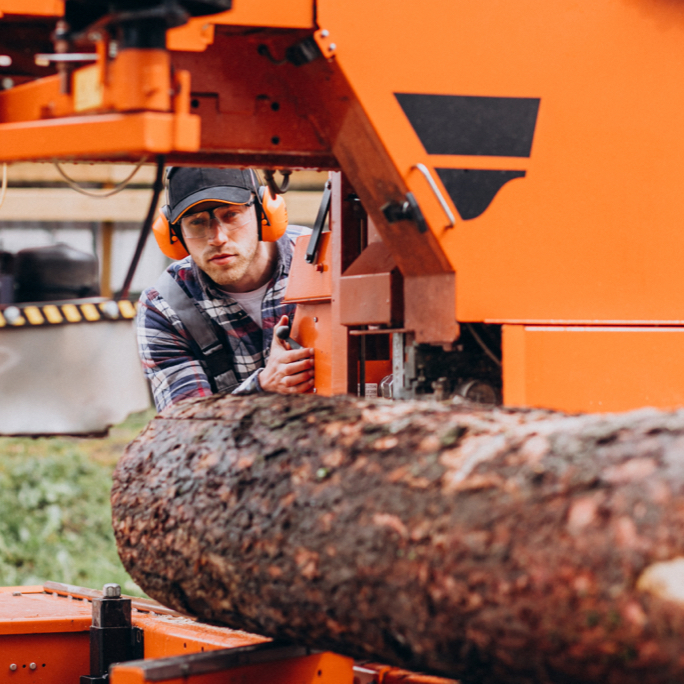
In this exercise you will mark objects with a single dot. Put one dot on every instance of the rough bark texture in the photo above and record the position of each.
(494, 546)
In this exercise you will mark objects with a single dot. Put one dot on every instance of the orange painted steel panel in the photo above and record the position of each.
(293, 14)
(45, 8)
(140, 79)
(167, 636)
(33, 100)
(593, 369)
(33, 613)
(53, 628)
(199, 32)
(58, 658)
(376, 371)
(317, 319)
(312, 327)
(128, 136)
(592, 232)
(513, 366)
(310, 286)
(310, 282)
(136, 80)
(322, 668)
(394, 675)
(195, 36)
(125, 674)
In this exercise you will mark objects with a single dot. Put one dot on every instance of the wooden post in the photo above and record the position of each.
(106, 240)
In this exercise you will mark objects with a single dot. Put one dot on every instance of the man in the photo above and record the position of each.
(235, 282)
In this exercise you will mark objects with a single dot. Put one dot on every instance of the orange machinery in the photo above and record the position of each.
(59, 634)
(505, 215)
(513, 168)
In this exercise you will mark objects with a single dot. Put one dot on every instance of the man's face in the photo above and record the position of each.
(229, 247)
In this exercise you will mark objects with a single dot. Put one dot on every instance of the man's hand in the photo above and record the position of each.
(287, 371)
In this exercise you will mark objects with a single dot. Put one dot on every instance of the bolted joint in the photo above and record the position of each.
(112, 612)
(113, 639)
(111, 591)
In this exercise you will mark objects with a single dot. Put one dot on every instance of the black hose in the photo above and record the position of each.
(484, 347)
(276, 189)
(146, 228)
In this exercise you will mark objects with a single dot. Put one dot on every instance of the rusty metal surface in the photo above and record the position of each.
(430, 311)
(371, 289)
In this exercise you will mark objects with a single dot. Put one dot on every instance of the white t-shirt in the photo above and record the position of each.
(251, 302)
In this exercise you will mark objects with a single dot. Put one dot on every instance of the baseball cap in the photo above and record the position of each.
(188, 186)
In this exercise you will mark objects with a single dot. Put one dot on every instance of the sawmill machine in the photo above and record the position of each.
(504, 214)
(504, 223)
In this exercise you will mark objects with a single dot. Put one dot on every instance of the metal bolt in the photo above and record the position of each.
(111, 591)
(110, 310)
(16, 593)
(12, 314)
(332, 47)
(13, 667)
(32, 666)
(314, 390)
(325, 33)
(315, 319)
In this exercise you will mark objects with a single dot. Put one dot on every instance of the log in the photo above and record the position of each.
(487, 545)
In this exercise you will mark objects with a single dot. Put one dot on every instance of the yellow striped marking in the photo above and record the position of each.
(90, 312)
(33, 315)
(51, 312)
(127, 309)
(71, 313)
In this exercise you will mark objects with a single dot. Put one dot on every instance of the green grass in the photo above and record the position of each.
(55, 518)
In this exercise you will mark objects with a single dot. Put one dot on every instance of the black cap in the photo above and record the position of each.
(190, 185)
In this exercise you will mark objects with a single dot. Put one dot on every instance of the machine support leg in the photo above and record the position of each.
(113, 639)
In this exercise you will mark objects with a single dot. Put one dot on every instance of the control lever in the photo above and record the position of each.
(283, 333)
(315, 238)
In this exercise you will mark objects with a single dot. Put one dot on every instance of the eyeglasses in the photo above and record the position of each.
(230, 217)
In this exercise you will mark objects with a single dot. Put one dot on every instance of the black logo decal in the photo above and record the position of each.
(473, 190)
(473, 126)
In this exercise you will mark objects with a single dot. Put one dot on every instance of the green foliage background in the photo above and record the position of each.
(55, 517)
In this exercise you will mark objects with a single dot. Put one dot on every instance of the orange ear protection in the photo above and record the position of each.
(271, 220)
(169, 243)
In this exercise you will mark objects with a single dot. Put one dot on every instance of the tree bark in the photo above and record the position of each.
(489, 545)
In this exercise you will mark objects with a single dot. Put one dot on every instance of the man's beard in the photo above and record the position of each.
(235, 271)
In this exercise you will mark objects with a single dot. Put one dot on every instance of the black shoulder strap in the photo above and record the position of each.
(214, 354)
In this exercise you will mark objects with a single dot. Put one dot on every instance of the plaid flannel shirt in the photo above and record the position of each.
(172, 359)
